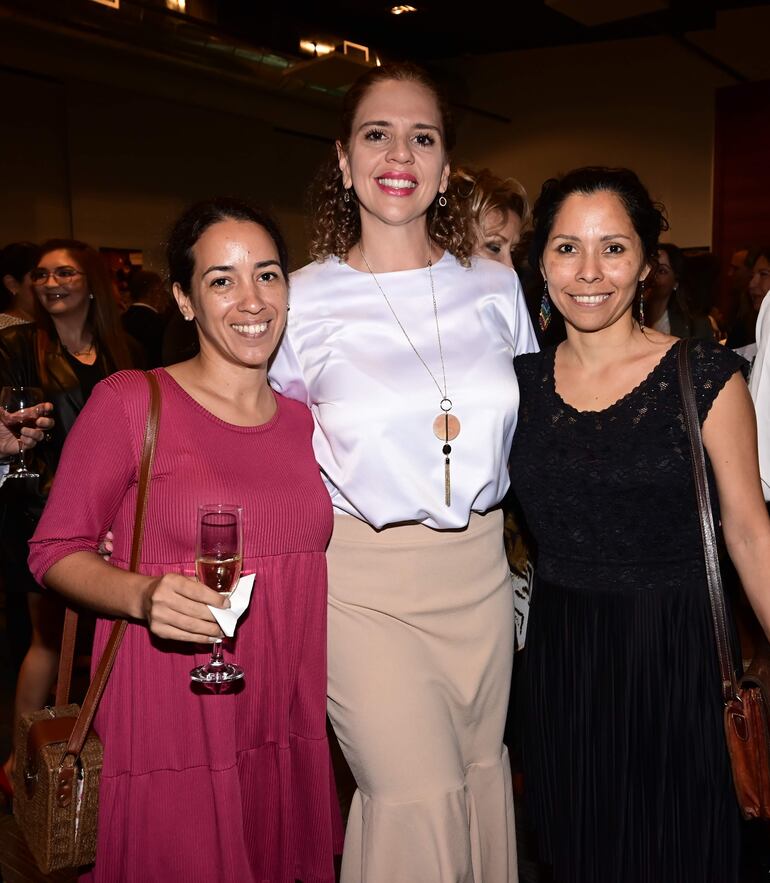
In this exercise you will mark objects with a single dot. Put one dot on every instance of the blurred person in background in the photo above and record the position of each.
(75, 341)
(497, 212)
(497, 209)
(759, 283)
(668, 304)
(17, 295)
(702, 279)
(144, 319)
(741, 277)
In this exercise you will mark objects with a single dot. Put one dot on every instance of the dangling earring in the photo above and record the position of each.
(90, 295)
(442, 201)
(346, 196)
(544, 318)
(641, 309)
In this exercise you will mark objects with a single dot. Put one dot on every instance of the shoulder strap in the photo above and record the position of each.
(99, 681)
(708, 534)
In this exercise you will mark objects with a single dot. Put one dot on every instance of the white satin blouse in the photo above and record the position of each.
(373, 401)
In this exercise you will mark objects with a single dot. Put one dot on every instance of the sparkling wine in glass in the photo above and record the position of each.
(18, 408)
(218, 557)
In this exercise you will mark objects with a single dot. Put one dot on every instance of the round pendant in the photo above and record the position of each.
(446, 427)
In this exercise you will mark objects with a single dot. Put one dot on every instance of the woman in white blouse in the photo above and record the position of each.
(403, 347)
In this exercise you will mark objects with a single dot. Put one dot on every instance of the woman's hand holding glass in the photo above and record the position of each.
(175, 608)
(25, 421)
(218, 559)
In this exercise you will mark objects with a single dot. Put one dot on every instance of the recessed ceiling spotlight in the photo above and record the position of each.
(400, 10)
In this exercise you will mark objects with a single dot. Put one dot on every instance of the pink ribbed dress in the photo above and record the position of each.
(198, 786)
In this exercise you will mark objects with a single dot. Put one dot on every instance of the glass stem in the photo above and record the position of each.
(216, 653)
(22, 465)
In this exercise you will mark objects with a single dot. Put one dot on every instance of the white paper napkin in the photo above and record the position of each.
(239, 601)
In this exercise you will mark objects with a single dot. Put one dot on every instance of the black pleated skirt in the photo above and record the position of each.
(626, 770)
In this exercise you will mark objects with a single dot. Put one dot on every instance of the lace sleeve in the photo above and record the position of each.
(529, 374)
(712, 366)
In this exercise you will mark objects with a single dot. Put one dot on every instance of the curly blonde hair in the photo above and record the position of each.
(336, 223)
(483, 191)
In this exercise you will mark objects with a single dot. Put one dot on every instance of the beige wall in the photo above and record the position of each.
(647, 104)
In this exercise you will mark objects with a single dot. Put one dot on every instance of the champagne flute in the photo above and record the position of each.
(17, 410)
(218, 557)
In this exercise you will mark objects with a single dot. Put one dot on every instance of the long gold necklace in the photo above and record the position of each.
(446, 426)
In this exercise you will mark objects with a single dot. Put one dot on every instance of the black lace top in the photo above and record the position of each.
(608, 495)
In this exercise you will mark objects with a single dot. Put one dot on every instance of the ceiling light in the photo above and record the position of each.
(115, 4)
(400, 10)
(313, 47)
(176, 5)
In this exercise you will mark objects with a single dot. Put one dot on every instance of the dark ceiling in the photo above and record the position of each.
(259, 41)
(434, 32)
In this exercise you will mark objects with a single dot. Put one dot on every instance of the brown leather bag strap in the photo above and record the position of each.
(99, 681)
(66, 657)
(708, 534)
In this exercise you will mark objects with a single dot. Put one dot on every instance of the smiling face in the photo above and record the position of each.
(238, 294)
(593, 261)
(498, 235)
(395, 161)
(67, 295)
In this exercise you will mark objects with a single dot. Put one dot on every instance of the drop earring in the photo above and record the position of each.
(641, 310)
(442, 201)
(544, 317)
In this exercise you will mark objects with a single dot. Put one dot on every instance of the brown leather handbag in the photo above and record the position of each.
(747, 701)
(58, 755)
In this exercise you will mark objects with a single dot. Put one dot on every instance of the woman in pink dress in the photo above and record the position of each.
(201, 786)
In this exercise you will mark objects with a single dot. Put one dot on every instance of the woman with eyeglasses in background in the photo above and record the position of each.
(75, 341)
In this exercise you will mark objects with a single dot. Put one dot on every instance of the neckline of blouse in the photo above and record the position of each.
(390, 273)
(233, 427)
(618, 402)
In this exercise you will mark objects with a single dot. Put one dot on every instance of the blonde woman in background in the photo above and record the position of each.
(498, 210)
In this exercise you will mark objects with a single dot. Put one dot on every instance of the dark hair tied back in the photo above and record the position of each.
(647, 217)
(197, 218)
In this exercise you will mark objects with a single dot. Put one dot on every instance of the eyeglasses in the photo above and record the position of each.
(62, 275)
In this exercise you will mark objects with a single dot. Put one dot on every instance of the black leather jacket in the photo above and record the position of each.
(18, 367)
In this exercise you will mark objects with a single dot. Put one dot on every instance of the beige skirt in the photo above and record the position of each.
(420, 655)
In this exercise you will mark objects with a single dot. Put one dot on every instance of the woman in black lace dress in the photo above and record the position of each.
(625, 761)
